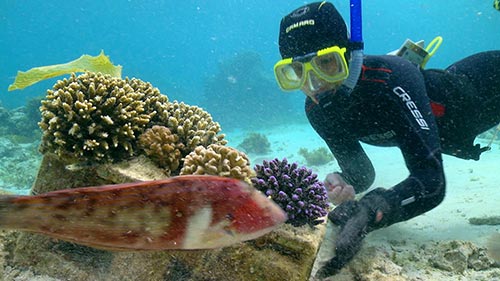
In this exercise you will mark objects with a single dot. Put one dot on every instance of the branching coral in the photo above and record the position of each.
(218, 160)
(162, 147)
(194, 126)
(96, 118)
(255, 143)
(296, 190)
(316, 157)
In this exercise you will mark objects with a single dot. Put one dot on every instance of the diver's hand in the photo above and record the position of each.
(356, 219)
(338, 190)
(353, 219)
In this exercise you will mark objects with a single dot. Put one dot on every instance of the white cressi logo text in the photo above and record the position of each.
(400, 92)
(299, 24)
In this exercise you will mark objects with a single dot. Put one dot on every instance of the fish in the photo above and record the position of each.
(178, 213)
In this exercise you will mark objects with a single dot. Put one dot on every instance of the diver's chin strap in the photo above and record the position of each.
(355, 66)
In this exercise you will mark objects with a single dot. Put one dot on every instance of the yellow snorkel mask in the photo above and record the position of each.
(328, 64)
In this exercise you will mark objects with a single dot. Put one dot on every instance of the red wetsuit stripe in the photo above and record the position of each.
(437, 109)
(382, 69)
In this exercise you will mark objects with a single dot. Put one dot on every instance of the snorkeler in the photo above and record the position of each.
(393, 103)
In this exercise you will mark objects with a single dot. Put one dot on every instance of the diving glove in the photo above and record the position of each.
(356, 219)
(470, 151)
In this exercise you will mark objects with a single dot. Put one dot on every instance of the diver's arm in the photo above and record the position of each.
(417, 137)
(356, 168)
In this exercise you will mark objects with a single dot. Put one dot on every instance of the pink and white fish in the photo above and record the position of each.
(184, 212)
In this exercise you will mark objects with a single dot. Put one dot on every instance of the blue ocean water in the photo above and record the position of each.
(178, 45)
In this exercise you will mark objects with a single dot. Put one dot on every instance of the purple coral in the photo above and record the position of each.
(296, 190)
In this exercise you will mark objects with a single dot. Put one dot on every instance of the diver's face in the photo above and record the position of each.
(315, 85)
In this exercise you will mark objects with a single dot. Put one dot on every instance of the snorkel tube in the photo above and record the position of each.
(356, 46)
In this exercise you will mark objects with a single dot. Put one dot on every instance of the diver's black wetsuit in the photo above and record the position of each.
(424, 113)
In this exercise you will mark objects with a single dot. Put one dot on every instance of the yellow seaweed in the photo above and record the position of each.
(100, 63)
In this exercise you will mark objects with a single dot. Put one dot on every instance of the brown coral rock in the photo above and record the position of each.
(97, 118)
(162, 147)
(218, 160)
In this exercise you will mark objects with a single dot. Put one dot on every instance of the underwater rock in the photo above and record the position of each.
(488, 220)
(411, 260)
(136, 169)
(458, 256)
(287, 253)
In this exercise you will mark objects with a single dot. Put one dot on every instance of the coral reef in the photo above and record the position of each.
(18, 166)
(194, 127)
(218, 160)
(243, 91)
(20, 124)
(163, 147)
(296, 190)
(96, 118)
(317, 157)
(255, 143)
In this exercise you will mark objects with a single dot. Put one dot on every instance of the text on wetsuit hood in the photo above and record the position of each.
(400, 92)
(299, 24)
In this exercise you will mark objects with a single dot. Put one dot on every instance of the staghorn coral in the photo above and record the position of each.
(218, 160)
(97, 118)
(296, 190)
(255, 143)
(316, 157)
(194, 126)
(162, 147)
